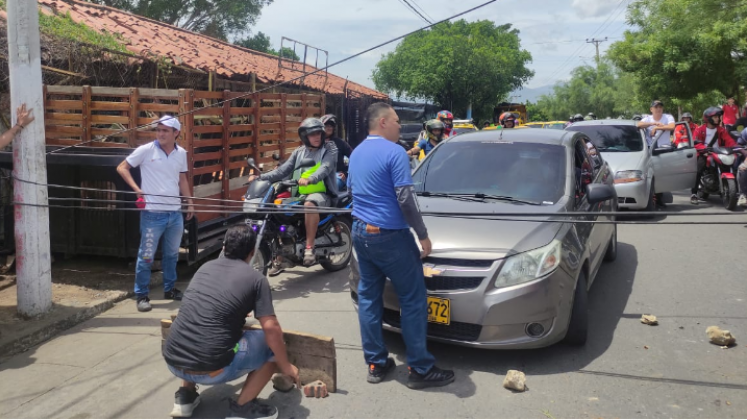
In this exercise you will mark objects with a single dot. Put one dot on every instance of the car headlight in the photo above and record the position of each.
(623, 177)
(530, 265)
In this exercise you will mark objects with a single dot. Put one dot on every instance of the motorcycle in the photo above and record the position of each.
(283, 234)
(719, 175)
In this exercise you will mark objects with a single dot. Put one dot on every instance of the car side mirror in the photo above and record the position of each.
(597, 193)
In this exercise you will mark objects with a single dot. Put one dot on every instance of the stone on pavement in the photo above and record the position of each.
(282, 383)
(316, 389)
(720, 337)
(649, 320)
(515, 380)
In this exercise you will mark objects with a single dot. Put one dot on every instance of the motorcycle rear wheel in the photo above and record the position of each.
(730, 195)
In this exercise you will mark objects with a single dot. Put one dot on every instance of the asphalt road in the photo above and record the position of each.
(688, 276)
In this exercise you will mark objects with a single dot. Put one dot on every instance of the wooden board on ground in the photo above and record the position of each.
(314, 355)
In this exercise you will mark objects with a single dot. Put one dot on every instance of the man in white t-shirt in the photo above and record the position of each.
(658, 122)
(163, 172)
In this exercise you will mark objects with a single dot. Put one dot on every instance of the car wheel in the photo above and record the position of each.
(578, 327)
(611, 254)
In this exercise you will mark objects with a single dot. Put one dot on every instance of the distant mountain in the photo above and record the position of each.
(527, 94)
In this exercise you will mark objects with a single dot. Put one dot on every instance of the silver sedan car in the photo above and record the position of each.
(502, 284)
(641, 171)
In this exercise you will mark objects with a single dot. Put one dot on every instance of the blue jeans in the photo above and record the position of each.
(391, 254)
(168, 228)
(341, 185)
(252, 353)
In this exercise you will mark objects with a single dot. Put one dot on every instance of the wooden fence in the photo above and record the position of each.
(219, 138)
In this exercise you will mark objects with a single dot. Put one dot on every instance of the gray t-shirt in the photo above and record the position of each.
(213, 312)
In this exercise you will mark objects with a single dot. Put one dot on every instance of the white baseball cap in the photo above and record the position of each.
(170, 121)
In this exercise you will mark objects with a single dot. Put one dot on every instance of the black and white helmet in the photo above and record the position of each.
(329, 119)
(309, 126)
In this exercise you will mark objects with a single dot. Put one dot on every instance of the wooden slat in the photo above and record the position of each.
(269, 148)
(64, 90)
(108, 132)
(294, 98)
(269, 126)
(187, 104)
(201, 94)
(267, 159)
(240, 152)
(61, 130)
(241, 127)
(133, 115)
(236, 165)
(226, 133)
(269, 110)
(255, 133)
(63, 104)
(159, 107)
(159, 93)
(207, 170)
(60, 142)
(283, 104)
(109, 119)
(209, 112)
(207, 129)
(49, 122)
(110, 106)
(199, 157)
(60, 116)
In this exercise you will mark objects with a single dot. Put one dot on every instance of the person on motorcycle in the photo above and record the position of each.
(591, 116)
(447, 118)
(712, 133)
(318, 186)
(343, 149)
(681, 138)
(435, 134)
(508, 120)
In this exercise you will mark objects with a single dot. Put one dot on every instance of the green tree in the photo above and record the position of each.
(261, 42)
(536, 113)
(681, 49)
(455, 65)
(217, 18)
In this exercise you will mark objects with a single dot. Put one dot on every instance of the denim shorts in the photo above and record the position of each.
(253, 353)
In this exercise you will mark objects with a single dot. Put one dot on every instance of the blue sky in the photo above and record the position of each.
(554, 31)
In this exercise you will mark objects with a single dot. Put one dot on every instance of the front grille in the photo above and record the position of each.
(456, 331)
(452, 283)
(459, 262)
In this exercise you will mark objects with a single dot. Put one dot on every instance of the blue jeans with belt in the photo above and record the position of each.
(393, 255)
(166, 227)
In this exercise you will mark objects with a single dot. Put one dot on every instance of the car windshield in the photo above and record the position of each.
(612, 138)
(521, 171)
(555, 126)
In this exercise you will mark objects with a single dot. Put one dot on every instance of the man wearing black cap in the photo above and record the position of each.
(658, 122)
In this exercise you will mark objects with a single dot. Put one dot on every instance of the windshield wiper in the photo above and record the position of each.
(463, 197)
(506, 198)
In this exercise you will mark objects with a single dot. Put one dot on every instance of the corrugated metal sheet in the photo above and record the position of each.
(146, 36)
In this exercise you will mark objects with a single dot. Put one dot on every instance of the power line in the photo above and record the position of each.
(421, 9)
(411, 7)
(303, 75)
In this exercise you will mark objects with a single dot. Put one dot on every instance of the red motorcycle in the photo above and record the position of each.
(720, 175)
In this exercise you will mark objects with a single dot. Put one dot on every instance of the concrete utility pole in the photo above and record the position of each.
(596, 43)
(33, 265)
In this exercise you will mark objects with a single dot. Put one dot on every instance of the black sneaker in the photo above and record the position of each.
(185, 402)
(377, 373)
(143, 304)
(251, 410)
(434, 378)
(276, 269)
(173, 294)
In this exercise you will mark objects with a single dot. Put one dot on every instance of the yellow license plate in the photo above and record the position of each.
(439, 310)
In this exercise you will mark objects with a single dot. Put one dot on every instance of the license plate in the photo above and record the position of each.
(439, 310)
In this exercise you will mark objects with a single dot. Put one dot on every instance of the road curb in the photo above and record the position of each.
(48, 332)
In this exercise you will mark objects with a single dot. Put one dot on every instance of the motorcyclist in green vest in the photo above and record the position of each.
(318, 184)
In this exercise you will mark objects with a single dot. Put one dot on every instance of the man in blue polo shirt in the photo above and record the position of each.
(384, 209)
(163, 172)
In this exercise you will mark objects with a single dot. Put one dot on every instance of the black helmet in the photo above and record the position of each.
(637, 117)
(329, 119)
(310, 126)
(435, 125)
(578, 117)
(711, 112)
(687, 115)
(509, 116)
(592, 115)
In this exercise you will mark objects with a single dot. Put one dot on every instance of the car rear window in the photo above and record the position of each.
(555, 126)
(526, 171)
(612, 138)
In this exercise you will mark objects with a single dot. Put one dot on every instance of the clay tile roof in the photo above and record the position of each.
(193, 50)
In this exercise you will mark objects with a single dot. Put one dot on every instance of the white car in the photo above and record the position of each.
(640, 170)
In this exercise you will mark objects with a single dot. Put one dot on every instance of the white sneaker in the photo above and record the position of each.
(742, 202)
